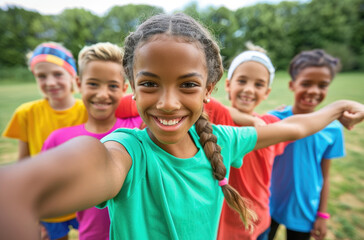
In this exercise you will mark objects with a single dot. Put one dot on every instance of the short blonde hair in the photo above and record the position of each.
(103, 51)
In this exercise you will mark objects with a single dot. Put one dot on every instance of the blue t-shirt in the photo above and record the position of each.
(164, 197)
(297, 176)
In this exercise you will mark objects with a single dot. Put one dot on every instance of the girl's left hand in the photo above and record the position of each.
(319, 229)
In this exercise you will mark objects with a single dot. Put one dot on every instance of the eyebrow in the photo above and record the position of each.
(190, 75)
(98, 80)
(149, 74)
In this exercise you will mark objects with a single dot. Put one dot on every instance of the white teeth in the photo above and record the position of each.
(102, 104)
(245, 99)
(169, 122)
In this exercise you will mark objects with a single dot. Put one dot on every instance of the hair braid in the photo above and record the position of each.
(213, 152)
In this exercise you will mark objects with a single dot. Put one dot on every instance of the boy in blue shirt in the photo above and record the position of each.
(299, 185)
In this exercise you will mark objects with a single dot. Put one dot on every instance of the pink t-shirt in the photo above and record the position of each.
(94, 223)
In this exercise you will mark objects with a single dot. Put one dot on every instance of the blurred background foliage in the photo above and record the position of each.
(283, 29)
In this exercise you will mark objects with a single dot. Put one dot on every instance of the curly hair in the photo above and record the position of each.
(313, 58)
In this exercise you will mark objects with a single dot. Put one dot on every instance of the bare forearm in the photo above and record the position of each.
(324, 196)
(325, 167)
(302, 125)
(54, 182)
(308, 124)
(244, 119)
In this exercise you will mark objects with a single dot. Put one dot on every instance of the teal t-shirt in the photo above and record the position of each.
(164, 197)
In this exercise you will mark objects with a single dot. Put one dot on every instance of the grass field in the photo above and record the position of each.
(346, 204)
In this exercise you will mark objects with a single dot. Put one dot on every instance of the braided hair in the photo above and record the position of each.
(189, 30)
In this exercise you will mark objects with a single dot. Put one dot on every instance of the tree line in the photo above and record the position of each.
(283, 29)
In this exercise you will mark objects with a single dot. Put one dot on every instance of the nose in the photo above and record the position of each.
(168, 101)
(102, 92)
(314, 89)
(50, 81)
(249, 87)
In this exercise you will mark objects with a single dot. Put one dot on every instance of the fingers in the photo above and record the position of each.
(350, 119)
(317, 234)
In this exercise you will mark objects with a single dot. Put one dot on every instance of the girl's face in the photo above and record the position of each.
(54, 81)
(102, 86)
(170, 84)
(248, 86)
(310, 88)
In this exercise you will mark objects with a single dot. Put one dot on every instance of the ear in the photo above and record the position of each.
(227, 85)
(125, 87)
(227, 88)
(267, 93)
(291, 85)
(78, 82)
(209, 88)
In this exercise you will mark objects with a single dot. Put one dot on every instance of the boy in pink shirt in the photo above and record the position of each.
(102, 85)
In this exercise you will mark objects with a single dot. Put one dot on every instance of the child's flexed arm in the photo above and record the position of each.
(73, 176)
(299, 126)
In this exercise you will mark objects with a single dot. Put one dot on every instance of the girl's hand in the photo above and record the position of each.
(319, 229)
(352, 116)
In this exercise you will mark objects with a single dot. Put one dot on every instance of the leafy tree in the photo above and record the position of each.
(16, 35)
(76, 28)
(223, 25)
(121, 20)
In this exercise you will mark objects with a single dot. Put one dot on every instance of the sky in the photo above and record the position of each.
(100, 7)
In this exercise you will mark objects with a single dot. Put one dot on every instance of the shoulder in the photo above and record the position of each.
(28, 106)
(269, 118)
(283, 113)
(62, 135)
(79, 104)
(130, 122)
(123, 135)
(68, 130)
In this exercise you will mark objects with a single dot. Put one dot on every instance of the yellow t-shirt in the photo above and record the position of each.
(32, 122)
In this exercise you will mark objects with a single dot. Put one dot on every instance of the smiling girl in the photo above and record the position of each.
(169, 180)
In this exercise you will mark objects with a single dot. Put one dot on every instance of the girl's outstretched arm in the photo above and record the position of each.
(73, 176)
(299, 126)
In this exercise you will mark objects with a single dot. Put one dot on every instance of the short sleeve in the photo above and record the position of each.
(336, 147)
(136, 151)
(17, 126)
(236, 142)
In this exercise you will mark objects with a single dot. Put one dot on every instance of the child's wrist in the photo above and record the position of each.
(323, 215)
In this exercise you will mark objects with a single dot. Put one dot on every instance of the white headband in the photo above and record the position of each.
(252, 56)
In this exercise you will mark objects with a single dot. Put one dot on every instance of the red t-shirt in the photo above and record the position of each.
(252, 180)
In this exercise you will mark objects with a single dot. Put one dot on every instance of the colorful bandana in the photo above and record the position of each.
(53, 53)
(252, 56)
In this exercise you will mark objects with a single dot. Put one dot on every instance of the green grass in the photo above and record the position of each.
(346, 202)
